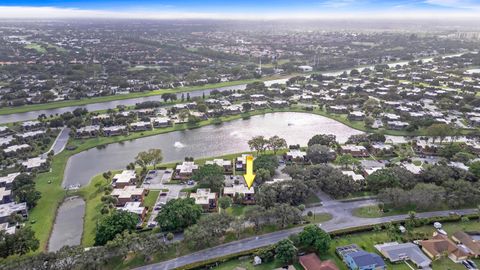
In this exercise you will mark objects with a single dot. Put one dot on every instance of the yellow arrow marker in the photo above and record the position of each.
(249, 176)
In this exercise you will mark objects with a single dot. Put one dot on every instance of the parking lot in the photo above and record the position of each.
(158, 180)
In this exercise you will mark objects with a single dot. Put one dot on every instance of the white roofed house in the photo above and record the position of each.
(31, 134)
(397, 125)
(36, 163)
(340, 109)
(9, 209)
(233, 109)
(140, 126)
(15, 149)
(355, 176)
(279, 104)
(135, 208)
(185, 170)
(241, 162)
(126, 178)
(295, 155)
(224, 163)
(7, 181)
(160, 122)
(6, 141)
(115, 130)
(206, 199)
(356, 116)
(99, 119)
(87, 131)
(240, 193)
(4, 130)
(31, 125)
(5, 195)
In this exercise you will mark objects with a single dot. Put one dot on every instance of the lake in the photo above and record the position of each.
(214, 140)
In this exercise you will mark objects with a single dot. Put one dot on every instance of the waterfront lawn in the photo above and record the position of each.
(237, 210)
(92, 195)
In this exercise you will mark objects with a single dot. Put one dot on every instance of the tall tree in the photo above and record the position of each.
(178, 214)
(275, 143)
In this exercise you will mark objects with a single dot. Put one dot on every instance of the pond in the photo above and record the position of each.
(68, 227)
(208, 141)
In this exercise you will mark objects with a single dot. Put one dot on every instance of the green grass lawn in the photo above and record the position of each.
(312, 199)
(37, 47)
(237, 210)
(247, 264)
(374, 212)
(92, 195)
(319, 218)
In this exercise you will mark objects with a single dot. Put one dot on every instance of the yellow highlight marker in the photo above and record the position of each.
(249, 176)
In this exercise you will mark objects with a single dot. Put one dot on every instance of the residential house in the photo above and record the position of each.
(396, 252)
(354, 150)
(160, 122)
(465, 239)
(355, 176)
(295, 155)
(5, 195)
(440, 245)
(31, 125)
(135, 208)
(140, 126)
(397, 125)
(356, 116)
(241, 162)
(362, 260)
(185, 170)
(115, 130)
(7, 181)
(4, 131)
(34, 163)
(87, 131)
(241, 192)
(206, 199)
(381, 149)
(340, 109)
(128, 194)
(126, 178)
(14, 149)
(8, 209)
(312, 262)
(224, 163)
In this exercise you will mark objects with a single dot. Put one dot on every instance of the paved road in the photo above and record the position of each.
(61, 141)
(342, 219)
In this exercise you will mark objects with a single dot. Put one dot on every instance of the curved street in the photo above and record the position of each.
(342, 218)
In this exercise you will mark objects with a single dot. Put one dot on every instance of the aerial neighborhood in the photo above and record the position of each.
(131, 146)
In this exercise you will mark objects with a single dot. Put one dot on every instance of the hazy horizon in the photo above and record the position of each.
(244, 10)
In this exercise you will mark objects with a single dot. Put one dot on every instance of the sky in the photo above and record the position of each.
(246, 9)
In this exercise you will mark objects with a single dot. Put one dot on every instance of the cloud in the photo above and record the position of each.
(338, 3)
(12, 12)
(459, 4)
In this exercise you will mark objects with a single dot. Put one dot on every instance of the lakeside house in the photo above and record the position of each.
(135, 208)
(115, 130)
(88, 131)
(224, 163)
(128, 194)
(354, 150)
(125, 178)
(185, 170)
